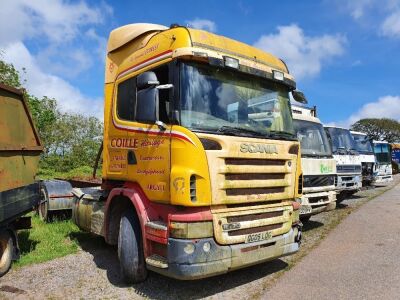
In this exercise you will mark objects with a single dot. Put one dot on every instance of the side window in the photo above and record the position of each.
(126, 99)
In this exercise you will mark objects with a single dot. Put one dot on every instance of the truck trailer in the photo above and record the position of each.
(197, 179)
(318, 164)
(20, 193)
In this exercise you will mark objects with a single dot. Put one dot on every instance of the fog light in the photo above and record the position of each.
(189, 248)
(206, 246)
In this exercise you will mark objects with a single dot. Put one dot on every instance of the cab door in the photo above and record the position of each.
(146, 148)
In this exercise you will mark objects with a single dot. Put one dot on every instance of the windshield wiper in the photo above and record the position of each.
(282, 134)
(353, 151)
(340, 150)
(239, 131)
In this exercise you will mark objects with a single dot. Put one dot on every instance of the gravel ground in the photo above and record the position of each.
(93, 273)
(364, 249)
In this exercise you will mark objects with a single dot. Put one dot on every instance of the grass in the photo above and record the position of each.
(46, 241)
(83, 172)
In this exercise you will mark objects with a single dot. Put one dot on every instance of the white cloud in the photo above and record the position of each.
(56, 20)
(62, 50)
(202, 24)
(40, 83)
(304, 55)
(384, 107)
(382, 14)
(358, 8)
(391, 25)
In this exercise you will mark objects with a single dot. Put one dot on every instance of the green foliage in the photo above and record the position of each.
(47, 241)
(70, 140)
(9, 75)
(379, 129)
(82, 172)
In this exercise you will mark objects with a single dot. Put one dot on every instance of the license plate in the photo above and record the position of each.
(259, 236)
(305, 209)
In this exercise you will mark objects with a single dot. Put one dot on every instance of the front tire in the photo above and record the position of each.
(130, 249)
(6, 252)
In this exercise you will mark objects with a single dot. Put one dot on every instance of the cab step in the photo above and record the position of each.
(157, 261)
(157, 225)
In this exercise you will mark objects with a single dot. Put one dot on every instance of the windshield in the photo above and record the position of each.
(228, 102)
(312, 138)
(382, 153)
(341, 139)
(362, 144)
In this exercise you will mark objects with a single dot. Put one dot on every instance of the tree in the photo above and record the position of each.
(70, 140)
(379, 129)
(9, 75)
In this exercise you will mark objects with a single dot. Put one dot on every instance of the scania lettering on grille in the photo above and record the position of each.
(258, 148)
(230, 226)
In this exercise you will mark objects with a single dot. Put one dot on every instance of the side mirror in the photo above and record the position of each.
(147, 98)
(146, 80)
(147, 105)
(299, 97)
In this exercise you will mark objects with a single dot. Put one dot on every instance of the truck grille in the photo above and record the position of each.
(232, 227)
(348, 168)
(318, 180)
(246, 179)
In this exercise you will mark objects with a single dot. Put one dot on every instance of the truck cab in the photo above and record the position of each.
(383, 166)
(318, 164)
(348, 162)
(364, 147)
(197, 179)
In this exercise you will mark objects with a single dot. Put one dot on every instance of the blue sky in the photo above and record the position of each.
(344, 54)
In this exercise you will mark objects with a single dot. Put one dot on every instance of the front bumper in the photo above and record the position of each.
(349, 182)
(383, 179)
(222, 259)
(314, 203)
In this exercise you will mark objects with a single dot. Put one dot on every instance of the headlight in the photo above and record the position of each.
(191, 230)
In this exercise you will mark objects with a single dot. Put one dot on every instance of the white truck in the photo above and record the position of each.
(318, 164)
(348, 162)
(365, 149)
(383, 166)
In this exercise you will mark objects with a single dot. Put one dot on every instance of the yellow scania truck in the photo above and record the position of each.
(201, 167)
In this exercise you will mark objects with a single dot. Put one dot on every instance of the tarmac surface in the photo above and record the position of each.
(359, 259)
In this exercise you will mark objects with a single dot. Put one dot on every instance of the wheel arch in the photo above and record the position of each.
(119, 201)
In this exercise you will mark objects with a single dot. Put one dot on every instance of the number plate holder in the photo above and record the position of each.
(258, 237)
(305, 209)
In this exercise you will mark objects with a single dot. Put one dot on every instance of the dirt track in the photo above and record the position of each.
(93, 273)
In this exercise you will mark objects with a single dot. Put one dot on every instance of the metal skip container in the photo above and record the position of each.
(20, 150)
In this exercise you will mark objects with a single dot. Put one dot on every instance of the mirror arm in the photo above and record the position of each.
(161, 125)
(164, 86)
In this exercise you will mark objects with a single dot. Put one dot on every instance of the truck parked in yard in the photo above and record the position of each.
(348, 162)
(383, 167)
(318, 164)
(197, 178)
(364, 147)
(20, 148)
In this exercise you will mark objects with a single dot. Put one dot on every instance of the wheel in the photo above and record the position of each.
(305, 219)
(43, 208)
(130, 249)
(6, 252)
